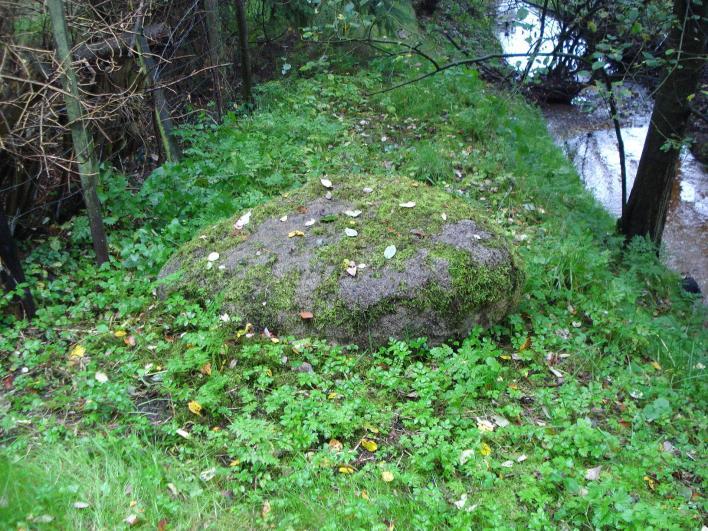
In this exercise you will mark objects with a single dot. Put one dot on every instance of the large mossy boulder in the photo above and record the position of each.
(315, 263)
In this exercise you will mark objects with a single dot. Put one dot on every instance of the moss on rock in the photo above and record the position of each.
(450, 272)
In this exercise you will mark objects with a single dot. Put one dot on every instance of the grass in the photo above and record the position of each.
(602, 365)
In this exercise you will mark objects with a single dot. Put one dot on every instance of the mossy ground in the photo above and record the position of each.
(274, 446)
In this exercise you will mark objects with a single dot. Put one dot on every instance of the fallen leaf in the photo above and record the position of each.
(443, 216)
(328, 195)
(460, 504)
(526, 344)
(651, 482)
(485, 449)
(208, 474)
(656, 365)
(132, 519)
(364, 494)
(466, 455)
(120, 333)
(234, 463)
(500, 421)
(346, 469)
(306, 315)
(294, 233)
(326, 183)
(666, 446)
(484, 425)
(367, 190)
(101, 377)
(351, 271)
(162, 524)
(195, 407)
(507, 464)
(352, 213)
(351, 232)
(592, 474)
(242, 221)
(409, 204)
(521, 458)
(213, 256)
(284, 218)
(387, 476)
(336, 445)
(130, 341)
(183, 433)
(81, 505)
(390, 252)
(77, 352)
(265, 510)
(206, 369)
(369, 445)
(310, 222)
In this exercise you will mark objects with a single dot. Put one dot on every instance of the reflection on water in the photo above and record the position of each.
(589, 140)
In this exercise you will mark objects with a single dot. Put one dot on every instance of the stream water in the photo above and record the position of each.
(585, 132)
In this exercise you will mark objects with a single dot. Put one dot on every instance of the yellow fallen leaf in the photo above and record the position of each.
(387, 476)
(269, 373)
(206, 369)
(346, 469)
(656, 365)
(485, 449)
(274, 340)
(120, 333)
(364, 494)
(295, 233)
(245, 330)
(336, 445)
(526, 344)
(195, 407)
(370, 445)
(651, 483)
(505, 357)
(234, 463)
(332, 396)
(77, 352)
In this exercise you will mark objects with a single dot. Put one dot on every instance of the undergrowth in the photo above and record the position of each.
(117, 404)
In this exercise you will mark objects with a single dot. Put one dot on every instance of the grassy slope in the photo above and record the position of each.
(600, 366)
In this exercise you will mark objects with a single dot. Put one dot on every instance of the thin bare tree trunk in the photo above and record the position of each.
(648, 203)
(11, 272)
(246, 79)
(163, 120)
(83, 142)
(213, 27)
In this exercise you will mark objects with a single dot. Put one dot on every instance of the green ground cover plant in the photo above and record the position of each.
(583, 409)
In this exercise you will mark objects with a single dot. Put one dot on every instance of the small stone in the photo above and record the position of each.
(304, 367)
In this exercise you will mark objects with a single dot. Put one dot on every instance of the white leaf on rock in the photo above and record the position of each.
(390, 252)
(326, 183)
(208, 474)
(351, 233)
(284, 218)
(101, 377)
(351, 271)
(521, 458)
(213, 257)
(242, 221)
(352, 213)
(443, 216)
(409, 204)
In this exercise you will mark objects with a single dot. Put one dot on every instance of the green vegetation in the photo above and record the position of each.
(137, 406)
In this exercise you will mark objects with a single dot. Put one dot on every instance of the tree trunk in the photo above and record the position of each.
(83, 143)
(11, 272)
(645, 214)
(163, 120)
(243, 49)
(213, 27)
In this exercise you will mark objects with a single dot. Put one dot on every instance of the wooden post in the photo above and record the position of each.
(81, 137)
